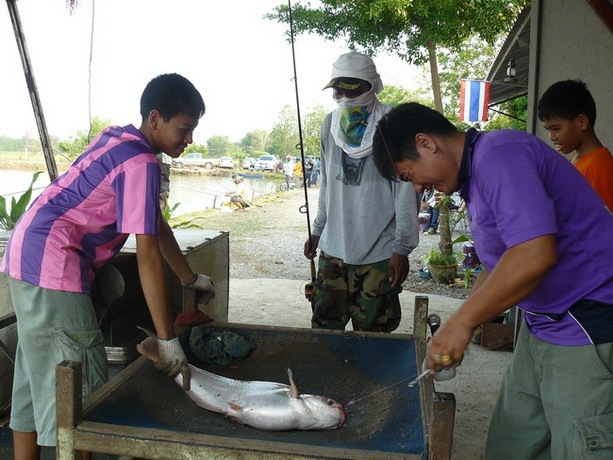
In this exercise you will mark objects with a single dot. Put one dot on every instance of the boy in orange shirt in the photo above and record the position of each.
(568, 112)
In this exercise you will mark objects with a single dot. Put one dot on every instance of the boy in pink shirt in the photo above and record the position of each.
(71, 231)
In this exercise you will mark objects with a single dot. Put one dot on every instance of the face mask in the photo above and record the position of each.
(362, 100)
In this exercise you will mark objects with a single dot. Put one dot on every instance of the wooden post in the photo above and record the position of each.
(441, 430)
(69, 408)
(45, 140)
(420, 318)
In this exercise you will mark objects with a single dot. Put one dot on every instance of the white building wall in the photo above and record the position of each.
(574, 43)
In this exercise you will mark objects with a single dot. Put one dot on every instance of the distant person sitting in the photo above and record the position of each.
(568, 112)
(237, 198)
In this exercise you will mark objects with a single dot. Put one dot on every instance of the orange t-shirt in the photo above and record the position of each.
(597, 168)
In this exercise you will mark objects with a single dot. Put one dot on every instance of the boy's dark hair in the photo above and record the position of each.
(567, 99)
(394, 138)
(171, 94)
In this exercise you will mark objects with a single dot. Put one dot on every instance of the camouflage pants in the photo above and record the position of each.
(360, 293)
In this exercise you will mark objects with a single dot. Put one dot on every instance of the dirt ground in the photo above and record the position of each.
(267, 277)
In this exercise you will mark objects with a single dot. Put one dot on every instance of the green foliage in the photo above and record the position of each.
(254, 141)
(393, 95)
(167, 214)
(311, 130)
(8, 219)
(468, 273)
(405, 28)
(513, 115)
(196, 148)
(437, 258)
(284, 136)
(219, 146)
(77, 144)
(23, 144)
(471, 62)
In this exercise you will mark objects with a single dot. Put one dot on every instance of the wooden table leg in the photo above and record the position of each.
(69, 408)
(441, 430)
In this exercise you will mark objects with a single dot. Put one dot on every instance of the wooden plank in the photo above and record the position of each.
(441, 429)
(37, 107)
(420, 323)
(155, 443)
(68, 408)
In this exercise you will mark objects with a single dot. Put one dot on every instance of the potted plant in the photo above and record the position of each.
(442, 267)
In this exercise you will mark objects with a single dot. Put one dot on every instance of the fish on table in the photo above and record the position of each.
(268, 406)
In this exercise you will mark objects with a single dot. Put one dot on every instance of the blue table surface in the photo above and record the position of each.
(343, 367)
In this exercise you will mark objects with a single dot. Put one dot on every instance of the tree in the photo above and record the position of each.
(284, 138)
(219, 146)
(393, 95)
(255, 141)
(311, 129)
(76, 145)
(511, 114)
(411, 29)
(197, 148)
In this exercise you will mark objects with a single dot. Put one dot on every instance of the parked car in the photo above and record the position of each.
(226, 162)
(247, 162)
(268, 163)
(195, 159)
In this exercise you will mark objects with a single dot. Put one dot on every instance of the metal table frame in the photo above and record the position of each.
(75, 433)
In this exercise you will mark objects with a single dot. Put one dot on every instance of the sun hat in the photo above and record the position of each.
(353, 66)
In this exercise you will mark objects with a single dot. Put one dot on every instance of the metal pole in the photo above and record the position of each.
(45, 140)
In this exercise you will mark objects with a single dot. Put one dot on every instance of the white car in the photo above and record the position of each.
(247, 162)
(267, 163)
(195, 159)
(226, 162)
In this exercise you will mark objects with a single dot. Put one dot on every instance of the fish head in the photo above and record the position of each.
(322, 413)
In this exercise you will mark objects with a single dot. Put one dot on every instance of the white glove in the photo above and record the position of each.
(204, 284)
(173, 360)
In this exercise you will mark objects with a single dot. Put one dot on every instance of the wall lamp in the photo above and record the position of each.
(511, 72)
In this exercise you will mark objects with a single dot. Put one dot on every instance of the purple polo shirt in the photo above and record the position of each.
(518, 188)
(84, 217)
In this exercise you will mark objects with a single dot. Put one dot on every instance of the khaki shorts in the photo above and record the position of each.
(556, 402)
(52, 326)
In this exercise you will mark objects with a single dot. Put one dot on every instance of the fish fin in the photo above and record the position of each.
(148, 347)
(235, 407)
(294, 393)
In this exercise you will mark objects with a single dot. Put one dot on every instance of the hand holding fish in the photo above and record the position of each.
(169, 357)
(173, 360)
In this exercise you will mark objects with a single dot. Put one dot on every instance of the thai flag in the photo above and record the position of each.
(474, 98)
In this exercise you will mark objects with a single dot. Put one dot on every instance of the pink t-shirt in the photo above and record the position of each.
(84, 217)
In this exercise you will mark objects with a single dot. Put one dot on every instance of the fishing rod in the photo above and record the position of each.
(304, 209)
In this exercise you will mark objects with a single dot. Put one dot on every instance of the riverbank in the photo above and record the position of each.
(267, 239)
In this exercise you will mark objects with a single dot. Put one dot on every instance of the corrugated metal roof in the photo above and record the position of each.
(516, 47)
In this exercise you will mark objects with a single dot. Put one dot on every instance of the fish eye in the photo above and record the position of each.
(330, 402)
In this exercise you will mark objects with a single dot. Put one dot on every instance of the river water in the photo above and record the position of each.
(192, 192)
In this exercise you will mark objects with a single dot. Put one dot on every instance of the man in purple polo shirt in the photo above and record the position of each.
(79, 222)
(546, 243)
